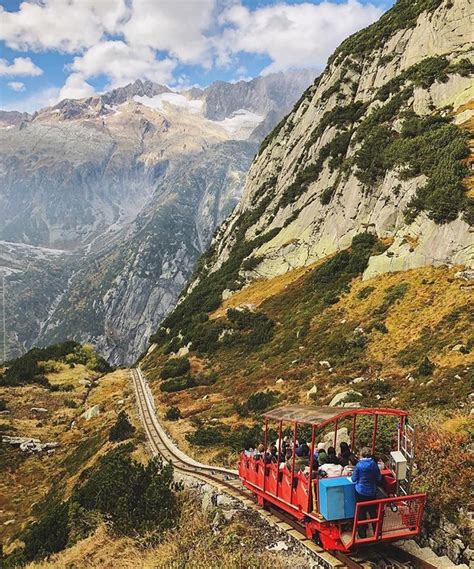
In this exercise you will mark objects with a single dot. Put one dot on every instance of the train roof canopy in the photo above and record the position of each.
(319, 415)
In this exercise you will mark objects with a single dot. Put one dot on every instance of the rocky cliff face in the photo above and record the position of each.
(379, 143)
(121, 193)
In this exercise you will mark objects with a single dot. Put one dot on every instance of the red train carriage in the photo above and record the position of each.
(327, 506)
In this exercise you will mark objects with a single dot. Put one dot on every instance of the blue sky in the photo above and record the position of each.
(53, 49)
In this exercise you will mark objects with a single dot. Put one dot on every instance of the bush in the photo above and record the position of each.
(260, 401)
(70, 403)
(175, 367)
(177, 384)
(365, 292)
(3, 405)
(392, 294)
(48, 535)
(255, 327)
(173, 414)
(134, 497)
(327, 194)
(426, 367)
(436, 452)
(122, 429)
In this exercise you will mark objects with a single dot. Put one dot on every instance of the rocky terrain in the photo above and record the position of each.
(111, 199)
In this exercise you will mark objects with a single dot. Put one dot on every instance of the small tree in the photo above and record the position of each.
(173, 414)
(122, 429)
(426, 367)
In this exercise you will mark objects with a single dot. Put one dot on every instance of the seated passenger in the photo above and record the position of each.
(249, 452)
(331, 468)
(345, 453)
(303, 448)
(332, 457)
(287, 458)
(301, 460)
(322, 454)
(349, 468)
(260, 451)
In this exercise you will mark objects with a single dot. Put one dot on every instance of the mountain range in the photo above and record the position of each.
(107, 202)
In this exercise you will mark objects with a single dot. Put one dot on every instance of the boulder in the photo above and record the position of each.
(359, 380)
(324, 363)
(467, 275)
(312, 392)
(278, 546)
(120, 402)
(341, 397)
(85, 382)
(279, 381)
(91, 412)
(18, 440)
(39, 410)
(351, 405)
(342, 436)
(458, 348)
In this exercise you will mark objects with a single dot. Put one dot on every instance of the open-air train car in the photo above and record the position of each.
(327, 506)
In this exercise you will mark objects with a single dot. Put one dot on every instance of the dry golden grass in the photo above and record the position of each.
(433, 293)
(258, 291)
(26, 479)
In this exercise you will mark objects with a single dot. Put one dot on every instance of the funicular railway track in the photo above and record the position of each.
(227, 480)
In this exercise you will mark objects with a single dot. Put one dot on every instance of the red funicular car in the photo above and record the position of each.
(327, 506)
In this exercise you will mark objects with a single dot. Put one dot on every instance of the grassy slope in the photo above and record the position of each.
(26, 479)
(430, 318)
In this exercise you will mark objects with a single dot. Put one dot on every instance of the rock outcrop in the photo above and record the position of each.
(340, 165)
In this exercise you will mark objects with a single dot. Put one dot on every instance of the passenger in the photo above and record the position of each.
(331, 468)
(303, 447)
(301, 460)
(332, 456)
(366, 476)
(349, 468)
(288, 456)
(322, 454)
(344, 454)
(271, 454)
(249, 452)
(260, 451)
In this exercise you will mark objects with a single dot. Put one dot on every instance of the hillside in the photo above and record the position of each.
(344, 276)
(118, 195)
(51, 512)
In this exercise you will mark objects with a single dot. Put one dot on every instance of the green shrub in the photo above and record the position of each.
(3, 405)
(392, 294)
(428, 146)
(426, 367)
(122, 429)
(71, 403)
(49, 534)
(177, 384)
(365, 292)
(175, 367)
(327, 194)
(260, 400)
(255, 327)
(135, 498)
(173, 414)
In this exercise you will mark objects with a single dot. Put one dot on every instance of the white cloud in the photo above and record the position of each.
(299, 35)
(16, 86)
(65, 25)
(34, 101)
(177, 26)
(76, 87)
(20, 66)
(123, 63)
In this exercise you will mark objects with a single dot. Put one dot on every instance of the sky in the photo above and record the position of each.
(56, 49)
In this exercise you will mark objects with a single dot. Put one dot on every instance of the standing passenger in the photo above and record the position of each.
(366, 476)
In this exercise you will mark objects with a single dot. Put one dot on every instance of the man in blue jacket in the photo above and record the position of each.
(366, 476)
